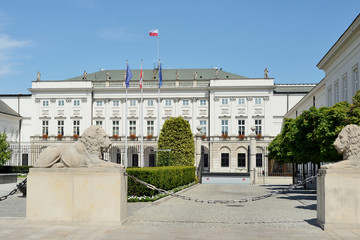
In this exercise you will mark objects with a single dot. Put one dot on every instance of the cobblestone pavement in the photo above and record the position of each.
(287, 216)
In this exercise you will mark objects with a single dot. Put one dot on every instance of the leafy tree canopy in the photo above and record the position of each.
(310, 136)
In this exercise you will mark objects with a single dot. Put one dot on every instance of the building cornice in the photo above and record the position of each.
(51, 90)
(306, 97)
(350, 34)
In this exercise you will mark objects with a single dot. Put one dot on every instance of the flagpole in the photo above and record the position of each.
(158, 48)
(158, 122)
(126, 128)
(141, 120)
(126, 117)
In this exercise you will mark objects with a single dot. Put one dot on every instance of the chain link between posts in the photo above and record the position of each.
(148, 185)
(244, 200)
(14, 191)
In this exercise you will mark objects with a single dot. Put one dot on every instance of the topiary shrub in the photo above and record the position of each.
(15, 169)
(176, 135)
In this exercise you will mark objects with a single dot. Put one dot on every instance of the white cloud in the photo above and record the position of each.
(7, 44)
(7, 69)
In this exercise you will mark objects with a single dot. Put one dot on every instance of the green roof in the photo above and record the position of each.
(167, 74)
(293, 88)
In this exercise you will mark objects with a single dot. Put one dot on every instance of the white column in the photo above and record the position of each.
(252, 164)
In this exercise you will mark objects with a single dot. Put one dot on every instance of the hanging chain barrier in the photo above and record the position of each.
(244, 200)
(289, 188)
(14, 191)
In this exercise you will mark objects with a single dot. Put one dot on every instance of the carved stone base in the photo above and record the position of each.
(338, 199)
(77, 194)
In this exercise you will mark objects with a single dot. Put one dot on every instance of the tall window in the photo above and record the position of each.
(150, 102)
(45, 127)
(185, 102)
(61, 127)
(336, 86)
(356, 78)
(241, 127)
(98, 123)
(168, 102)
(45, 103)
(115, 128)
(257, 100)
(225, 127)
(224, 101)
(76, 102)
(258, 126)
(345, 88)
(259, 160)
(225, 160)
(132, 103)
(76, 127)
(61, 103)
(329, 96)
(203, 127)
(241, 101)
(202, 102)
(99, 103)
(241, 160)
(116, 103)
(132, 127)
(150, 128)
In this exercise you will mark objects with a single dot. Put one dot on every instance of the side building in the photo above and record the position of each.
(341, 67)
(223, 104)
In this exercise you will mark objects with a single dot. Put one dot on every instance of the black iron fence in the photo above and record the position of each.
(27, 155)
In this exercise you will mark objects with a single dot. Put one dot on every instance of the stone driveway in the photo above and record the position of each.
(286, 216)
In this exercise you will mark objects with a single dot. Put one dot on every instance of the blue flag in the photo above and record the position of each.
(160, 76)
(128, 76)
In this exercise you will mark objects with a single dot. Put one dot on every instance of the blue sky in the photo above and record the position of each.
(62, 38)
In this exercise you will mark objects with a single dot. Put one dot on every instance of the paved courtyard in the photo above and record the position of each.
(286, 216)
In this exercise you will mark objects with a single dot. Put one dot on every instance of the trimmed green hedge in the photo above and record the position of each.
(166, 178)
(15, 169)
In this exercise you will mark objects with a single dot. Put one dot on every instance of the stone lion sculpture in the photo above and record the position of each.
(84, 153)
(348, 144)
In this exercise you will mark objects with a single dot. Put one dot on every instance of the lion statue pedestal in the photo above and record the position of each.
(71, 183)
(338, 192)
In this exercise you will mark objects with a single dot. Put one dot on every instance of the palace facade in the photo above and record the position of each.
(223, 104)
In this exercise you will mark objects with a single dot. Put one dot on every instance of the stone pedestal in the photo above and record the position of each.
(77, 194)
(338, 199)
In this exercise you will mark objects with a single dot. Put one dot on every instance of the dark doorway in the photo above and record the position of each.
(206, 161)
(135, 160)
(25, 159)
(118, 157)
(151, 160)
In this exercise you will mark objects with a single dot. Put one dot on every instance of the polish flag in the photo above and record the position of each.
(154, 33)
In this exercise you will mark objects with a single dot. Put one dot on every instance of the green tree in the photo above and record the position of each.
(280, 147)
(354, 111)
(310, 137)
(176, 135)
(5, 151)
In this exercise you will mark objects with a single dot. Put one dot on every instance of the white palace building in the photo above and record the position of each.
(225, 105)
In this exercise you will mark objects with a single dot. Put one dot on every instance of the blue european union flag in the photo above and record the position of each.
(160, 76)
(128, 76)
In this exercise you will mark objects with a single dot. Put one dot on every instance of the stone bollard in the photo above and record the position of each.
(338, 193)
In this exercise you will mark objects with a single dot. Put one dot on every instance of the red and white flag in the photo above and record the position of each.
(141, 77)
(154, 33)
